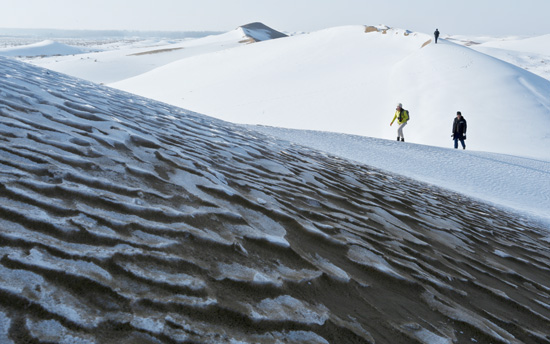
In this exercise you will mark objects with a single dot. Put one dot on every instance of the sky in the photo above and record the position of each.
(491, 17)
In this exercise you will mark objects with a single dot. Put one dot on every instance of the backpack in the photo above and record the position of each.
(407, 116)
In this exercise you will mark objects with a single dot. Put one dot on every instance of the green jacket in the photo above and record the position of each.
(401, 119)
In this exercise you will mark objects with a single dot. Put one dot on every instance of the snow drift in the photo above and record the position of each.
(537, 45)
(507, 181)
(125, 219)
(42, 49)
(532, 54)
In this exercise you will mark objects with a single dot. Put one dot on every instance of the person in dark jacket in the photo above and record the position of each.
(436, 35)
(459, 130)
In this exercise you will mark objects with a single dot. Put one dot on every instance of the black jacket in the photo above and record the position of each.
(459, 128)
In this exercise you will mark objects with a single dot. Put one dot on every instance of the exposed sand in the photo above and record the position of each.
(259, 31)
(371, 29)
(158, 51)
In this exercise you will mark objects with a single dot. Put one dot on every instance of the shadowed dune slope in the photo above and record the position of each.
(127, 220)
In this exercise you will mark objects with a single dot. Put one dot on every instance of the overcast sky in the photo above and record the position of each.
(494, 17)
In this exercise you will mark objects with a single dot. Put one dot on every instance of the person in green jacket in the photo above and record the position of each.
(402, 117)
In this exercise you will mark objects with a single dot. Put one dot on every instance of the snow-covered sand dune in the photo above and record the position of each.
(127, 220)
(345, 80)
(348, 80)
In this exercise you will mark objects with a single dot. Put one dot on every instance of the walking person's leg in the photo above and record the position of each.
(456, 142)
(400, 131)
(463, 143)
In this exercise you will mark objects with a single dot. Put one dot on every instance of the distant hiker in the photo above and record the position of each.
(459, 130)
(402, 117)
(436, 34)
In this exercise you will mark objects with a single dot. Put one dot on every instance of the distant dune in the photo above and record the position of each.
(129, 60)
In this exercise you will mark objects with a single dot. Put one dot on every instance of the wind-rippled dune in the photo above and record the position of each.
(126, 220)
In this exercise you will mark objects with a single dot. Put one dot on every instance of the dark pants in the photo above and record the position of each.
(461, 142)
(436, 37)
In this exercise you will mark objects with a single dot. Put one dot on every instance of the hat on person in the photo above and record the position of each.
(459, 113)
(399, 105)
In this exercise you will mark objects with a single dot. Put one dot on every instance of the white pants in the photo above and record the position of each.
(400, 130)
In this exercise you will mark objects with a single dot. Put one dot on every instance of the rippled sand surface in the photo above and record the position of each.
(126, 220)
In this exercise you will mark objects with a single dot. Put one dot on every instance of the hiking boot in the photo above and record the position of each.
(397, 138)
(402, 139)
